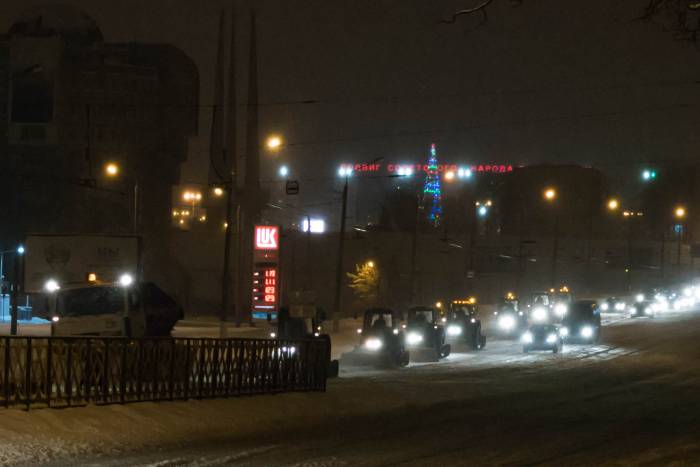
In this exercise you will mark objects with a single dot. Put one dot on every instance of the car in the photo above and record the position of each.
(542, 337)
(611, 304)
(299, 322)
(425, 332)
(582, 322)
(645, 308)
(382, 340)
(463, 325)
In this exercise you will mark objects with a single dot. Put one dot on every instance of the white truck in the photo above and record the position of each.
(89, 285)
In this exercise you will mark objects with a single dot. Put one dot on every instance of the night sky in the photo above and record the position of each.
(549, 81)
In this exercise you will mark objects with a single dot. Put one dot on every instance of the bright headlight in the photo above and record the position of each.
(648, 310)
(620, 306)
(413, 338)
(373, 343)
(55, 319)
(560, 309)
(640, 298)
(563, 332)
(587, 332)
(506, 322)
(551, 338)
(539, 314)
(527, 338)
(604, 306)
(454, 330)
(473, 320)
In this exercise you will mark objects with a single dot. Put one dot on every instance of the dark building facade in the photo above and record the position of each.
(70, 103)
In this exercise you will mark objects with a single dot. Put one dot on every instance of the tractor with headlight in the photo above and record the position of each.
(462, 324)
(382, 340)
(425, 333)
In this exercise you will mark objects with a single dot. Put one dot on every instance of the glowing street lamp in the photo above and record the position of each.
(274, 142)
(344, 171)
(111, 169)
(679, 212)
(218, 191)
(370, 264)
(449, 176)
(283, 171)
(648, 175)
(613, 204)
(550, 194)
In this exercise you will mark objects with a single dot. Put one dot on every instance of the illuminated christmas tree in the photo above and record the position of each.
(432, 195)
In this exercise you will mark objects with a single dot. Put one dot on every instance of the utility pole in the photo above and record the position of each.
(339, 265)
(15, 296)
(309, 270)
(555, 250)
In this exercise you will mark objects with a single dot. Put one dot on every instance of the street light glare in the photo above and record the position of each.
(449, 176)
(51, 285)
(20, 250)
(274, 142)
(613, 204)
(370, 264)
(550, 194)
(218, 191)
(344, 171)
(283, 171)
(125, 280)
(680, 212)
(111, 169)
(483, 210)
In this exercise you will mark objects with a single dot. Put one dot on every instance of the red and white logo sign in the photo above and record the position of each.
(266, 237)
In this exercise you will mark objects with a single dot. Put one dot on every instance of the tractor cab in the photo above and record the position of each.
(463, 324)
(299, 322)
(424, 330)
(381, 339)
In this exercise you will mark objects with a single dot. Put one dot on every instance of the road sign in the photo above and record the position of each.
(292, 187)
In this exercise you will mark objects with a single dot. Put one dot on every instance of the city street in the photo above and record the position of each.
(631, 399)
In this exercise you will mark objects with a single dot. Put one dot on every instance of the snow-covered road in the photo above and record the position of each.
(634, 398)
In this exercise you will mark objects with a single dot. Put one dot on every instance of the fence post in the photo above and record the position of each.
(49, 365)
(122, 374)
(69, 373)
(187, 369)
(6, 372)
(88, 369)
(228, 369)
(105, 372)
(200, 368)
(241, 363)
(173, 349)
(28, 373)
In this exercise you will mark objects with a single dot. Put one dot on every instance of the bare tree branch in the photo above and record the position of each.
(481, 8)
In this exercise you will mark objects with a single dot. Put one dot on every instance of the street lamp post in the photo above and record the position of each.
(125, 280)
(680, 213)
(339, 258)
(550, 196)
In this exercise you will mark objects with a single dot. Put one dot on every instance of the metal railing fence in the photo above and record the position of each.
(75, 371)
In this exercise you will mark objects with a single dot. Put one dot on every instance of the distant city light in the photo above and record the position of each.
(648, 175)
(680, 212)
(404, 171)
(283, 171)
(483, 210)
(51, 285)
(20, 250)
(464, 173)
(613, 204)
(192, 196)
(218, 191)
(344, 171)
(449, 176)
(317, 225)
